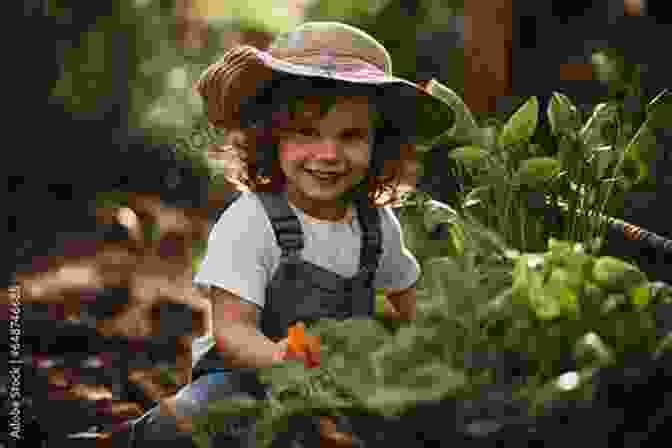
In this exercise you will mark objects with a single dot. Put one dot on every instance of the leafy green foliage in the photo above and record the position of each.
(465, 126)
(562, 114)
(421, 217)
(583, 170)
(566, 312)
(469, 155)
(537, 171)
(521, 125)
(611, 273)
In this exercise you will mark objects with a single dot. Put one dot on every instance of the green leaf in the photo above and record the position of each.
(566, 387)
(477, 196)
(614, 274)
(640, 296)
(606, 67)
(591, 351)
(570, 276)
(561, 287)
(612, 302)
(522, 279)
(486, 137)
(565, 248)
(663, 346)
(562, 114)
(595, 132)
(284, 375)
(546, 301)
(640, 150)
(469, 155)
(545, 305)
(537, 171)
(391, 401)
(457, 240)
(432, 381)
(442, 275)
(660, 105)
(439, 213)
(521, 125)
(603, 157)
(465, 127)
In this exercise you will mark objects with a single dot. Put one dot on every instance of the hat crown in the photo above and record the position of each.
(331, 39)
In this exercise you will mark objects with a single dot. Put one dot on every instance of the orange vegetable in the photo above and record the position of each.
(296, 338)
(302, 345)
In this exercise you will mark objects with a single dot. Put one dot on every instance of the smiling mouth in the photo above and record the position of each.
(325, 175)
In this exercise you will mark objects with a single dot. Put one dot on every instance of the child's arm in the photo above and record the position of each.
(236, 334)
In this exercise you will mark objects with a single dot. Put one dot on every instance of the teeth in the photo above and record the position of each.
(323, 175)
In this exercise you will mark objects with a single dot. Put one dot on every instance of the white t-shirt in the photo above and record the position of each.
(242, 253)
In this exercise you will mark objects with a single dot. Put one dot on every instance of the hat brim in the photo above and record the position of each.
(416, 112)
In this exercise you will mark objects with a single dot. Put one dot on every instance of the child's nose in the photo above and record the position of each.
(326, 149)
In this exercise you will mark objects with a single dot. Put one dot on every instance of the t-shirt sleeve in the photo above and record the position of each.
(236, 257)
(398, 268)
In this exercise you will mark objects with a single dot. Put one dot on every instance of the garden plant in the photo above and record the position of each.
(519, 312)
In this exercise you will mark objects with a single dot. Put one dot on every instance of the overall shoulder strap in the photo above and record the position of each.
(372, 238)
(286, 225)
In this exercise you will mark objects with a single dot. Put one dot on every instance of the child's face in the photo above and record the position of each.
(323, 158)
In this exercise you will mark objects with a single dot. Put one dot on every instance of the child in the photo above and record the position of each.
(327, 129)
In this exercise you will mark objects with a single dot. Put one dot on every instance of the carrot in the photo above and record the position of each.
(298, 343)
(296, 338)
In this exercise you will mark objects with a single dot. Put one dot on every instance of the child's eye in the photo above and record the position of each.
(356, 134)
(306, 132)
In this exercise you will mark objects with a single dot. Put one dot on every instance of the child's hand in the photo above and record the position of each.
(299, 347)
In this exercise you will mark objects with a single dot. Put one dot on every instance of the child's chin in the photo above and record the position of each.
(324, 196)
(329, 193)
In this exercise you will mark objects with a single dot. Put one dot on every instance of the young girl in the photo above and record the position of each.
(327, 131)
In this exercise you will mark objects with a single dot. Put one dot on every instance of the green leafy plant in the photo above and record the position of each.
(512, 180)
(564, 311)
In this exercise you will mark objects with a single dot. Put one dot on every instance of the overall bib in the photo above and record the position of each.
(298, 291)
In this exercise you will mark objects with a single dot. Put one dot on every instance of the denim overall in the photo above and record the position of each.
(298, 291)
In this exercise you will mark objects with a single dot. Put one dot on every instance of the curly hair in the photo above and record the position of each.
(255, 146)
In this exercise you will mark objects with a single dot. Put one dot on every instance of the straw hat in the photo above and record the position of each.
(326, 50)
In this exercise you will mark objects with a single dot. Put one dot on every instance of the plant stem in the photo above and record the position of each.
(572, 214)
(522, 216)
(507, 225)
(619, 164)
(583, 217)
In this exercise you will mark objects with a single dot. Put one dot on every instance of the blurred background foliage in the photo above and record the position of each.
(146, 55)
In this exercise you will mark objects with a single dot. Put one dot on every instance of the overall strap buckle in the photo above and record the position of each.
(286, 225)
